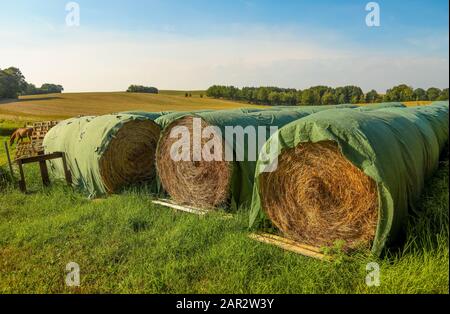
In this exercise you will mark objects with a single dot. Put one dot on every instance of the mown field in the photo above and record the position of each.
(126, 244)
(66, 105)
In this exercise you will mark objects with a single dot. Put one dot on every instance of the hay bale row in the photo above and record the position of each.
(110, 152)
(350, 175)
(343, 172)
(213, 184)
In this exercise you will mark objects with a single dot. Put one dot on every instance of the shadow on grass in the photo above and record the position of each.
(6, 131)
(428, 222)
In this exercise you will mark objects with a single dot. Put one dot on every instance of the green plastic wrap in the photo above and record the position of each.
(84, 140)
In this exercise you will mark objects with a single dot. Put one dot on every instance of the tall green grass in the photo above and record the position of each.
(126, 244)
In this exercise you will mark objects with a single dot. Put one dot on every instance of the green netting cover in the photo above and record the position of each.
(381, 106)
(84, 140)
(170, 117)
(397, 147)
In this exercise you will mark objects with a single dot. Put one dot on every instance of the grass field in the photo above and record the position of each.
(66, 105)
(6, 129)
(126, 244)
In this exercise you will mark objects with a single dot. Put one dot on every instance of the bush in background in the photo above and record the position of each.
(142, 89)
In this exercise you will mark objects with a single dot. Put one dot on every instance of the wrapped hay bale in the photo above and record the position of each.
(381, 105)
(349, 175)
(214, 183)
(105, 153)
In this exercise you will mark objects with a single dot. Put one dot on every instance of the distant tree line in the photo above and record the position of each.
(323, 95)
(142, 89)
(13, 84)
(44, 89)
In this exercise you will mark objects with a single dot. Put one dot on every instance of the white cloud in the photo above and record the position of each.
(82, 60)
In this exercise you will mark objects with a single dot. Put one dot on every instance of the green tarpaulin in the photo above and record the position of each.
(397, 147)
(243, 171)
(84, 140)
(381, 106)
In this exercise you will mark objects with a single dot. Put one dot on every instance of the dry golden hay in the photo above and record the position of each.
(130, 156)
(196, 183)
(316, 196)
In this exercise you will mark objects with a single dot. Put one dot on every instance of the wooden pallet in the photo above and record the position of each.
(190, 209)
(29, 149)
(40, 129)
(187, 209)
(46, 124)
(289, 245)
(35, 147)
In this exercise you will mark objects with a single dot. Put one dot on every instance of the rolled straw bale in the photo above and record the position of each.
(105, 153)
(349, 175)
(212, 184)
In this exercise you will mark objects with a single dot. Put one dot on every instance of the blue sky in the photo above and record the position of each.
(186, 44)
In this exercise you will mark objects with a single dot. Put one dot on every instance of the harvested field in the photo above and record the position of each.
(68, 105)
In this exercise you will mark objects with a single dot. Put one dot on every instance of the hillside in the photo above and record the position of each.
(58, 106)
(66, 105)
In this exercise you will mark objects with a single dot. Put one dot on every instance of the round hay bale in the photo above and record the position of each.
(130, 156)
(317, 196)
(106, 153)
(196, 183)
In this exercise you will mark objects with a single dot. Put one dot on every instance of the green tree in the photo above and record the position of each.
(274, 98)
(262, 95)
(400, 93)
(341, 95)
(419, 94)
(31, 89)
(12, 83)
(372, 96)
(356, 94)
(444, 94)
(289, 98)
(307, 97)
(328, 98)
(131, 89)
(433, 93)
(48, 88)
